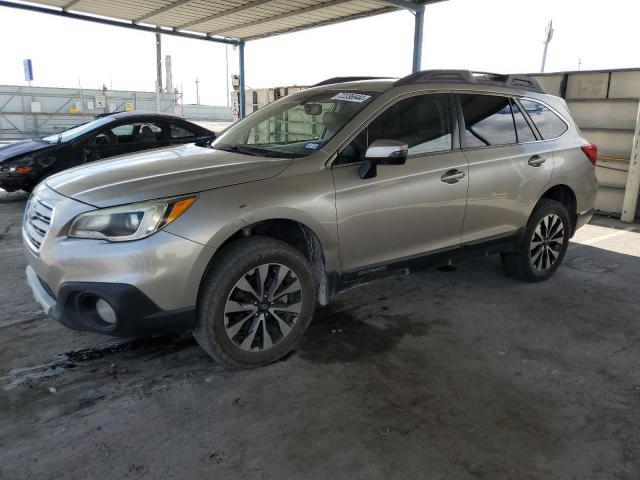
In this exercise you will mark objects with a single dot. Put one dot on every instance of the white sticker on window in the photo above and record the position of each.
(351, 97)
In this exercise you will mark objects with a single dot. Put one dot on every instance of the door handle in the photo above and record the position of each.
(452, 176)
(536, 161)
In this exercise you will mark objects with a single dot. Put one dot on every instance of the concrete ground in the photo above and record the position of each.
(462, 374)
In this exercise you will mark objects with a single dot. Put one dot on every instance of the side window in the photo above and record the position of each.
(422, 122)
(525, 134)
(487, 120)
(548, 123)
(129, 133)
(177, 132)
(123, 130)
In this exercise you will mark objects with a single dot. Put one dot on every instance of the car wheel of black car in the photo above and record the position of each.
(255, 302)
(545, 243)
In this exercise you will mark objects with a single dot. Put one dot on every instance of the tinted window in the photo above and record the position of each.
(177, 132)
(525, 134)
(123, 130)
(129, 133)
(487, 120)
(548, 123)
(422, 122)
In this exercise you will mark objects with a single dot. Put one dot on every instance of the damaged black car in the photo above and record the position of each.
(26, 163)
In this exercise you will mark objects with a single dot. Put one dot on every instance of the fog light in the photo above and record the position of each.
(105, 312)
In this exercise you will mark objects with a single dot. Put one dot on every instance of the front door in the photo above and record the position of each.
(406, 210)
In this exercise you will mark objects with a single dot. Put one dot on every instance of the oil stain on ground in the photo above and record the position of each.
(152, 346)
(338, 336)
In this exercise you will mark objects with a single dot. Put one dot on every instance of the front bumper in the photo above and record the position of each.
(151, 283)
(136, 314)
(11, 184)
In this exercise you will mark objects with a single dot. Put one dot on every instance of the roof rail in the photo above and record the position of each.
(330, 81)
(522, 82)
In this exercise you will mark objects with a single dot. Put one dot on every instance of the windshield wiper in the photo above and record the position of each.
(236, 149)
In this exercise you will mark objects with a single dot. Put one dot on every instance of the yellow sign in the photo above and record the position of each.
(73, 110)
(128, 107)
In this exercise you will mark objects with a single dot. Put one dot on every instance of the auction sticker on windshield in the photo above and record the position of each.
(351, 97)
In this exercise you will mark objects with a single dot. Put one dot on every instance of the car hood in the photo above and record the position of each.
(23, 147)
(161, 173)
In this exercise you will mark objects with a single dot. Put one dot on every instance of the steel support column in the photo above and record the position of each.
(633, 179)
(242, 83)
(417, 39)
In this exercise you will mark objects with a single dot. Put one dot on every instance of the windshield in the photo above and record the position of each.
(76, 132)
(295, 126)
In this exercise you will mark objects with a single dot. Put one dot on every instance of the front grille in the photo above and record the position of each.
(37, 220)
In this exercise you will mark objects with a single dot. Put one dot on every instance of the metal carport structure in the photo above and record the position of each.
(228, 21)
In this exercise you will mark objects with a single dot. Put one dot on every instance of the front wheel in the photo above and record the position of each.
(545, 243)
(255, 302)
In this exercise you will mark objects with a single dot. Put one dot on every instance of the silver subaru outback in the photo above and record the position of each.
(346, 182)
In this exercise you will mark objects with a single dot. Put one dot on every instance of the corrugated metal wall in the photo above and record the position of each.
(605, 106)
(37, 111)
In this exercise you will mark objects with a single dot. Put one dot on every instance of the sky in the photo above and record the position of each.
(504, 36)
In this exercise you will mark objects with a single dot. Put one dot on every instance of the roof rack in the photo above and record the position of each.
(330, 81)
(522, 82)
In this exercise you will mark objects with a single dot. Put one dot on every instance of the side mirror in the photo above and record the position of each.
(313, 108)
(382, 152)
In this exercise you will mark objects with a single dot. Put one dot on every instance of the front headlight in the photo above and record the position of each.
(23, 164)
(129, 222)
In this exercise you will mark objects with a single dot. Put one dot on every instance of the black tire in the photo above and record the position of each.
(229, 267)
(519, 263)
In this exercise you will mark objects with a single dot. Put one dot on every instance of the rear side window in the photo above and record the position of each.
(180, 133)
(487, 120)
(548, 123)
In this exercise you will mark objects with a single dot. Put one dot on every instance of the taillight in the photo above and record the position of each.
(591, 151)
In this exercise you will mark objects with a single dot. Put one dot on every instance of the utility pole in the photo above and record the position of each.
(579, 64)
(197, 92)
(168, 74)
(158, 62)
(548, 35)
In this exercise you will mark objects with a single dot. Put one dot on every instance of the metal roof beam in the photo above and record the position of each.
(158, 11)
(313, 8)
(408, 4)
(322, 23)
(115, 23)
(223, 14)
(70, 4)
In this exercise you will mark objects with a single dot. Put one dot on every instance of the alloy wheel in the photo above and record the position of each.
(263, 307)
(547, 242)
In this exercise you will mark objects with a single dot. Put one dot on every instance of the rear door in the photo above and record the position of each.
(509, 166)
(406, 210)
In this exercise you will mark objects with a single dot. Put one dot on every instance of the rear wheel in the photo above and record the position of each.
(545, 243)
(255, 302)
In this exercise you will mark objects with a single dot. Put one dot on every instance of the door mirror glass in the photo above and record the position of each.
(313, 108)
(382, 152)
